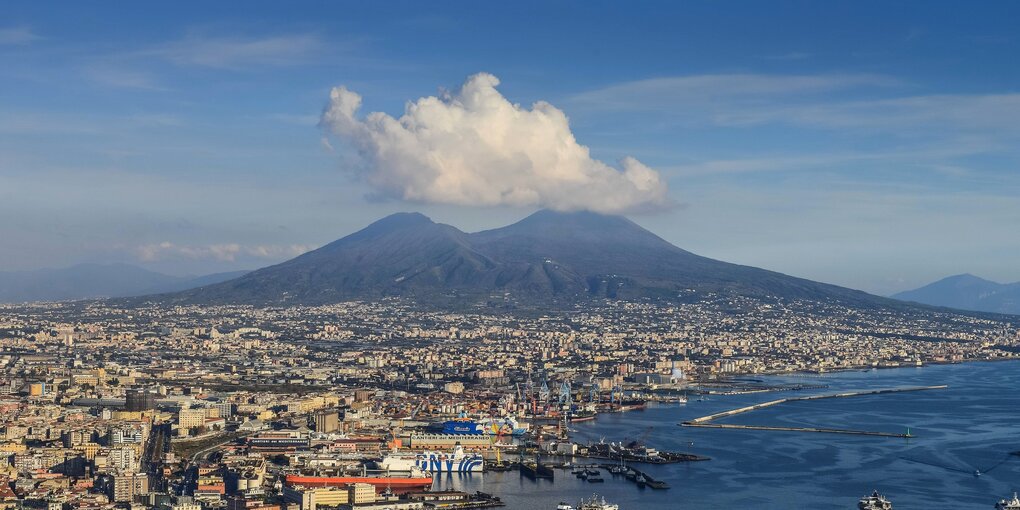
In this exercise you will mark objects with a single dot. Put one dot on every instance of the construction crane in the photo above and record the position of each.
(565, 390)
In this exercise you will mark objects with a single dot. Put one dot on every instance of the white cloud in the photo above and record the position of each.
(474, 147)
(16, 36)
(223, 252)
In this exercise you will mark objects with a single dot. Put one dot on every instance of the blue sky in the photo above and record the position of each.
(868, 144)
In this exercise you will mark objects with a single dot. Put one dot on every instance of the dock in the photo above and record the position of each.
(706, 421)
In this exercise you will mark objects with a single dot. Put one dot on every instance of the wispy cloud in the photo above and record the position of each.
(934, 112)
(223, 252)
(146, 67)
(861, 103)
(17, 36)
(793, 55)
(701, 91)
(105, 72)
(45, 123)
(931, 157)
(235, 52)
(299, 120)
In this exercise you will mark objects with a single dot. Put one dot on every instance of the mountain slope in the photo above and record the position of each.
(968, 292)
(94, 280)
(548, 256)
(402, 254)
(618, 259)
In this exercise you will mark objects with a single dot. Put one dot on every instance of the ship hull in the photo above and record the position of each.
(433, 463)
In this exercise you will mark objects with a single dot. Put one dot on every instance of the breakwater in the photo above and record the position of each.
(706, 421)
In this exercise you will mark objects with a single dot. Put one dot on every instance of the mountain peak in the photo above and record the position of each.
(965, 278)
(575, 218)
(967, 292)
(401, 220)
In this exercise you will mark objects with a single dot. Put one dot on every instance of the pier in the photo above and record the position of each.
(706, 421)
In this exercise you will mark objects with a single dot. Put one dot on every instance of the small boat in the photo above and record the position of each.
(641, 480)
(499, 466)
(564, 506)
(596, 479)
(1008, 504)
(596, 502)
(874, 502)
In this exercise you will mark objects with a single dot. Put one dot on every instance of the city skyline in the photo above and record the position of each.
(869, 147)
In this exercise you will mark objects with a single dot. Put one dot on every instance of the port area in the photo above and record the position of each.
(706, 421)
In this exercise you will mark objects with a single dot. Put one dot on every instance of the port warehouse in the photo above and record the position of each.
(310, 498)
(284, 442)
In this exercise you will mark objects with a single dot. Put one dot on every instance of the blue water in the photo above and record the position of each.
(970, 426)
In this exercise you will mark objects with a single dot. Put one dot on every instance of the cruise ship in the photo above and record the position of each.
(434, 462)
(874, 502)
(507, 426)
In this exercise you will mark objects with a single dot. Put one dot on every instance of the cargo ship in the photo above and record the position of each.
(632, 404)
(583, 415)
(416, 480)
(434, 462)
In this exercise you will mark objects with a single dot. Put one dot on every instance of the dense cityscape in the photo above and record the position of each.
(239, 407)
(532, 255)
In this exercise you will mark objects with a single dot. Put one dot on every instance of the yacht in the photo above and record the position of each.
(1009, 504)
(874, 502)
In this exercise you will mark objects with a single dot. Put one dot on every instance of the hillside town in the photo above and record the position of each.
(235, 407)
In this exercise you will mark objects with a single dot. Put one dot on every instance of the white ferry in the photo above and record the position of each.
(434, 462)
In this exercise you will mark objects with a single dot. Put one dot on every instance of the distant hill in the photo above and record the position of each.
(546, 257)
(968, 292)
(95, 280)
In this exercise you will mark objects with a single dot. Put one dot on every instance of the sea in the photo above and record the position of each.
(959, 457)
